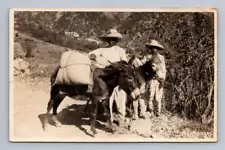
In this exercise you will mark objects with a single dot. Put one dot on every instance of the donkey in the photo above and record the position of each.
(143, 73)
(119, 73)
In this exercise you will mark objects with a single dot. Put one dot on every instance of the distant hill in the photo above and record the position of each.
(51, 26)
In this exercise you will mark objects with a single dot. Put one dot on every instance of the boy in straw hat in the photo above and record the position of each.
(102, 57)
(155, 86)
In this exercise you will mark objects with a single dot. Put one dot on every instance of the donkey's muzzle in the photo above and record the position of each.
(136, 93)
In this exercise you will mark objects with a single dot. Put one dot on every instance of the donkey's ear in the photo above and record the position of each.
(131, 59)
(124, 66)
(110, 62)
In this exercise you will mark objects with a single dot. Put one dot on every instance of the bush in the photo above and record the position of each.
(189, 42)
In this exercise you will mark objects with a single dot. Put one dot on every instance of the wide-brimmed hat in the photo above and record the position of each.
(112, 34)
(154, 44)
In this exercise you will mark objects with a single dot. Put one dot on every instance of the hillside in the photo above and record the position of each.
(42, 56)
(51, 26)
(187, 37)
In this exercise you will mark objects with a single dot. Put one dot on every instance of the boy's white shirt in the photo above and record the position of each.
(106, 55)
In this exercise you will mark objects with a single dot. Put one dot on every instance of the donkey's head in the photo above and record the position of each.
(127, 78)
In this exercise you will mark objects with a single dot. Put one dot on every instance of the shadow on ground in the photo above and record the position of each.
(74, 115)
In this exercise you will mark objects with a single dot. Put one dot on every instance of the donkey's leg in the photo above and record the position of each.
(85, 113)
(56, 104)
(50, 104)
(111, 100)
(53, 94)
(94, 108)
(86, 107)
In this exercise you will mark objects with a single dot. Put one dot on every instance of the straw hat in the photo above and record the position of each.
(154, 44)
(112, 33)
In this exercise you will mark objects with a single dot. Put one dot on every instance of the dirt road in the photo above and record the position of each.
(29, 107)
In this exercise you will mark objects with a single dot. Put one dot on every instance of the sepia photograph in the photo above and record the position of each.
(113, 75)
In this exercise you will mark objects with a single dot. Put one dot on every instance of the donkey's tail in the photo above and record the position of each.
(54, 74)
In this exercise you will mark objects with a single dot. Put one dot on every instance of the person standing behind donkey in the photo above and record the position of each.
(136, 62)
(103, 56)
(155, 84)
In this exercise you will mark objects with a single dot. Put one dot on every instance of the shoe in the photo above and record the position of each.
(143, 116)
(157, 115)
(135, 117)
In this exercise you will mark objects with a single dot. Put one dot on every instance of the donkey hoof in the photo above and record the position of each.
(55, 121)
(157, 115)
(94, 132)
(135, 117)
(111, 129)
(58, 124)
(143, 116)
(44, 128)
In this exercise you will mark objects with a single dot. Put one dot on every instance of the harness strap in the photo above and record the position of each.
(76, 64)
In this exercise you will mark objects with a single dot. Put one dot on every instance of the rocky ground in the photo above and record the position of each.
(28, 107)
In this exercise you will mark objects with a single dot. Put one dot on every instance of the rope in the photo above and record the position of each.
(75, 65)
(84, 63)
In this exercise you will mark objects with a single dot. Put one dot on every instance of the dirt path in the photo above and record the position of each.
(29, 106)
